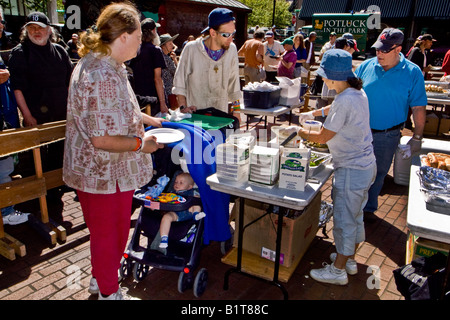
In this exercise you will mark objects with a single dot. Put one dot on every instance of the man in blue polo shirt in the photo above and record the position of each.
(393, 86)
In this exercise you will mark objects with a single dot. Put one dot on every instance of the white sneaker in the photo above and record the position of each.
(15, 218)
(93, 286)
(351, 266)
(115, 296)
(199, 215)
(329, 274)
(119, 295)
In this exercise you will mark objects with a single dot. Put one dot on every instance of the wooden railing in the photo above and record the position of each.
(35, 187)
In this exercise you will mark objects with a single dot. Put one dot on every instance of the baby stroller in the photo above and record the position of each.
(186, 238)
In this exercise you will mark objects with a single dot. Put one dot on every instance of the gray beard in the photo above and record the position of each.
(156, 41)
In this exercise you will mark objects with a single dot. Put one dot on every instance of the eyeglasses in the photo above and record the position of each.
(3, 22)
(227, 34)
(386, 51)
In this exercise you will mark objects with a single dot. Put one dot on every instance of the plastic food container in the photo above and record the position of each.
(295, 142)
(261, 99)
(312, 125)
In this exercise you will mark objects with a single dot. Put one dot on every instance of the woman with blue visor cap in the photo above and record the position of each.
(347, 133)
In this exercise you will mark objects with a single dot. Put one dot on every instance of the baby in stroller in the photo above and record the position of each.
(183, 186)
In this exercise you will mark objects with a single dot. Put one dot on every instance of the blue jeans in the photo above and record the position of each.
(350, 190)
(6, 168)
(384, 146)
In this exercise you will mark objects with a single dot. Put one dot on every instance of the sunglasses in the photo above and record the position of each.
(386, 51)
(227, 34)
(3, 22)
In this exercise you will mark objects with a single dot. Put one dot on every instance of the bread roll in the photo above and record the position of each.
(437, 160)
(426, 161)
(441, 165)
(433, 160)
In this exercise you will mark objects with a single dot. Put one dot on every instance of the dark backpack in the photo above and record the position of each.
(316, 86)
(423, 278)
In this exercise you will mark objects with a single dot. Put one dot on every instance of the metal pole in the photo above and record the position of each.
(273, 14)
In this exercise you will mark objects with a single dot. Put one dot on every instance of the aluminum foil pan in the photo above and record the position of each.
(435, 186)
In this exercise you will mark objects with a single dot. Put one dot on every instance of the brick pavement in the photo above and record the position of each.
(62, 272)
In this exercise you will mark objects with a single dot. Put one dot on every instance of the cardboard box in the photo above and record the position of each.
(294, 166)
(422, 247)
(297, 234)
(235, 172)
(232, 161)
(444, 127)
(229, 153)
(431, 124)
(243, 138)
(264, 165)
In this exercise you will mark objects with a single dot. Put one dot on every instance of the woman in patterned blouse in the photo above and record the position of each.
(106, 153)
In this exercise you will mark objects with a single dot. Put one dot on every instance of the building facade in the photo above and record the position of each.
(414, 17)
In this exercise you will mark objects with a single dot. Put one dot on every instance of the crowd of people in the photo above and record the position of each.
(123, 64)
(266, 58)
(99, 82)
(363, 112)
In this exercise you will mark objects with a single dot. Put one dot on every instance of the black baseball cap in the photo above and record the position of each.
(38, 18)
(149, 24)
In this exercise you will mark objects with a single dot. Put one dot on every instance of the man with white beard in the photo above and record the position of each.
(40, 73)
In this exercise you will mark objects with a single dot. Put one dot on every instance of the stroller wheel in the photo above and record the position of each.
(140, 271)
(125, 268)
(184, 281)
(200, 282)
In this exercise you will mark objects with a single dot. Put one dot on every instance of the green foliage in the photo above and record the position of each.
(5, 4)
(36, 5)
(263, 13)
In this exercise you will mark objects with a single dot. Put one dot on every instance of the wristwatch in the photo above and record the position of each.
(417, 137)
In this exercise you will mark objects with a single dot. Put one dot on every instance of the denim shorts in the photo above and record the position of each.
(184, 215)
(350, 193)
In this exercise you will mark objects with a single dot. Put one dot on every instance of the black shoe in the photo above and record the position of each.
(369, 217)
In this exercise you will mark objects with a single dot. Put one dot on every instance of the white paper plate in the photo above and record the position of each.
(166, 135)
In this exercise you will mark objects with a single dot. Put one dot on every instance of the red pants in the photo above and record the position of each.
(108, 219)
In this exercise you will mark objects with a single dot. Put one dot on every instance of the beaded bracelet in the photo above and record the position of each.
(236, 105)
(138, 144)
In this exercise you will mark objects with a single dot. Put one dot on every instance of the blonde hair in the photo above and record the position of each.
(187, 177)
(114, 20)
